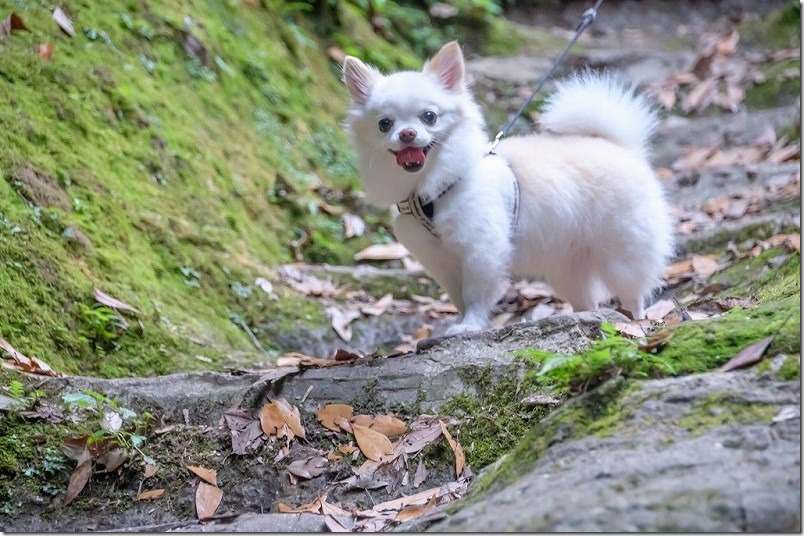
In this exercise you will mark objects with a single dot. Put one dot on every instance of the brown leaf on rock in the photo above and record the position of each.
(382, 252)
(112, 459)
(278, 413)
(341, 321)
(150, 470)
(704, 266)
(328, 413)
(373, 445)
(421, 437)
(748, 356)
(423, 497)
(659, 310)
(790, 241)
(412, 512)
(308, 467)
(246, 431)
(207, 499)
(80, 476)
(460, 457)
(151, 494)
(378, 307)
(388, 425)
(700, 96)
(635, 329)
(12, 23)
(313, 508)
(656, 340)
(208, 475)
(421, 474)
(63, 21)
(305, 283)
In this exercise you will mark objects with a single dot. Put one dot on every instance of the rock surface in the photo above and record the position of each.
(670, 467)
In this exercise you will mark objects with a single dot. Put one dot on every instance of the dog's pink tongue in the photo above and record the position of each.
(410, 155)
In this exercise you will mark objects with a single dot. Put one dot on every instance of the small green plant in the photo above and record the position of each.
(119, 427)
(22, 400)
(612, 355)
(102, 326)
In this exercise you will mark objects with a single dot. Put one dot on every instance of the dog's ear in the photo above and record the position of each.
(448, 66)
(359, 78)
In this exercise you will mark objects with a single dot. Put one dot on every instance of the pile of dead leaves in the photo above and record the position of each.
(367, 452)
(718, 75)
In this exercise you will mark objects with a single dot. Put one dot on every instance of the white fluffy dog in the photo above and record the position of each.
(577, 206)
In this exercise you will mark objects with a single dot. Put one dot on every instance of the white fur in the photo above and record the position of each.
(593, 221)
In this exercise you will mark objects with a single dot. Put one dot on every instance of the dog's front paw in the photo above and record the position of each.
(463, 327)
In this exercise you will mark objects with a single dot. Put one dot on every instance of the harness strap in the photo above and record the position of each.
(424, 212)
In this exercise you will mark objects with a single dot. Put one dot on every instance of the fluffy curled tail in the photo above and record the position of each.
(596, 104)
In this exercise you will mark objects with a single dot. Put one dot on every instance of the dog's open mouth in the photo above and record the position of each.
(412, 158)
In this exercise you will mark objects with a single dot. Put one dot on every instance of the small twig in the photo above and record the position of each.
(684, 314)
(251, 335)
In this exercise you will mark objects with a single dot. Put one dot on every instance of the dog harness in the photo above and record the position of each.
(424, 212)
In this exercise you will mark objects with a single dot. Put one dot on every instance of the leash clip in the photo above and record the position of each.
(493, 145)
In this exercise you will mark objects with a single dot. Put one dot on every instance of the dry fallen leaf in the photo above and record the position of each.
(656, 340)
(704, 266)
(421, 474)
(278, 413)
(750, 355)
(347, 449)
(412, 512)
(373, 445)
(378, 307)
(150, 470)
(63, 21)
(207, 499)
(246, 431)
(80, 476)
(309, 467)
(659, 310)
(460, 457)
(12, 23)
(382, 252)
(353, 225)
(114, 303)
(30, 365)
(328, 413)
(388, 425)
(205, 474)
(46, 51)
(635, 328)
(341, 321)
(151, 494)
(423, 497)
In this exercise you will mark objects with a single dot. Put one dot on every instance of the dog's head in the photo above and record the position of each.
(404, 118)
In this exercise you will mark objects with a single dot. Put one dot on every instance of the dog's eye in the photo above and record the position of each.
(429, 117)
(385, 124)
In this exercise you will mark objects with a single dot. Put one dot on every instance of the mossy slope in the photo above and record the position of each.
(167, 154)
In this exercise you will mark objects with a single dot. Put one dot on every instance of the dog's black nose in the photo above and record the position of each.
(407, 135)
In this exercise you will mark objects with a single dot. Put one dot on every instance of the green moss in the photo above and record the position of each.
(495, 418)
(166, 181)
(771, 276)
(790, 369)
(718, 409)
(599, 412)
(780, 88)
(780, 28)
(704, 345)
